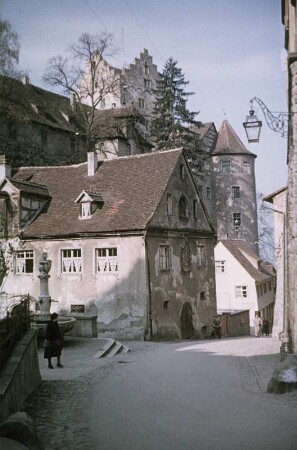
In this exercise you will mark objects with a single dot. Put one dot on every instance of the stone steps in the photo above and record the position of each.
(111, 349)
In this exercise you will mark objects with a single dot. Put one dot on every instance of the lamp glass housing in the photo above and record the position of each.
(252, 127)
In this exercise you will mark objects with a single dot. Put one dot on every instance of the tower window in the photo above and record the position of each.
(236, 191)
(225, 166)
(236, 220)
(246, 166)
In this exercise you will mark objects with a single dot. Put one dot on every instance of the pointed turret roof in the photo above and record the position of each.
(228, 141)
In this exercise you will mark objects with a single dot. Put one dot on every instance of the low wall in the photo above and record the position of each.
(20, 376)
(85, 326)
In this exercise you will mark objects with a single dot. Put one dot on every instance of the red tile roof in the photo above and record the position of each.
(131, 188)
(228, 141)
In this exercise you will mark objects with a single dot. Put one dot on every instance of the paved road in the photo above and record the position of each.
(178, 396)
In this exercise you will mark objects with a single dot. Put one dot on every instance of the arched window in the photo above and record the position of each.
(183, 208)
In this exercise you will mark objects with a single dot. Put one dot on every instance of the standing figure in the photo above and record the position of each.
(265, 327)
(216, 328)
(257, 325)
(53, 341)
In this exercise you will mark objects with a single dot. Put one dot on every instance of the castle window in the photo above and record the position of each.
(202, 296)
(236, 220)
(71, 261)
(164, 257)
(147, 83)
(246, 166)
(141, 103)
(146, 68)
(225, 166)
(208, 193)
(24, 261)
(236, 191)
(182, 172)
(107, 260)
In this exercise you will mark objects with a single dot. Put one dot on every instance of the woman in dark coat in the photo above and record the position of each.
(53, 341)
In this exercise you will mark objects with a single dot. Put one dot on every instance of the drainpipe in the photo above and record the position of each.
(149, 303)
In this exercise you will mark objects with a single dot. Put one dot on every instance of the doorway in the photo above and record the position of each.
(187, 329)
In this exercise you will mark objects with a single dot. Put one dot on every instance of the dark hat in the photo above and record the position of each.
(54, 316)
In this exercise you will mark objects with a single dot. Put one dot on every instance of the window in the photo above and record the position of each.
(236, 220)
(24, 261)
(202, 296)
(146, 68)
(169, 205)
(265, 288)
(164, 257)
(241, 291)
(225, 166)
(246, 166)
(147, 83)
(208, 193)
(201, 258)
(220, 266)
(107, 260)
(269, 285)
(165, 304)
(200, 190)
(71, 261)
(182, 172)
(183, 208)
(236, 191)
(86, 210)
(79, 309)
(141, 103)
(195, 209)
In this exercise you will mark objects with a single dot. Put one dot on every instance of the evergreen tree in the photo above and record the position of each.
(173, 124)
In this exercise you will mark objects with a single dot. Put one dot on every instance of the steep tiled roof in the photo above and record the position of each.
(238, 249)
(131, 189)
(228, 141)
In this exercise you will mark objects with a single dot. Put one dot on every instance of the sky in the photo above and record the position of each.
(229, 50)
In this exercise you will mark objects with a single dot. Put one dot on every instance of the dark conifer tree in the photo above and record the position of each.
(173, 123)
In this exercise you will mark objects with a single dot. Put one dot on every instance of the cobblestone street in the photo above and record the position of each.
(59, 405)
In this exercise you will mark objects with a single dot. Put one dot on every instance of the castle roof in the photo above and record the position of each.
(229, 143)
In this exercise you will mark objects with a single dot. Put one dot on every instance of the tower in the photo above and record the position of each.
(234, 188)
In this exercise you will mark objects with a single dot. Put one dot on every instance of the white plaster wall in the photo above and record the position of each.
(119, 299)
(235, 275)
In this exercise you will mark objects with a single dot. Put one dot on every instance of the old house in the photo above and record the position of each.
(243, 280)
(129, 238)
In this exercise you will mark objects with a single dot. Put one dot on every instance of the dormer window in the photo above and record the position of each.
(89, 202)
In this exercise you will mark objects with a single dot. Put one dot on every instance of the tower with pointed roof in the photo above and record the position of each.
(234, 188)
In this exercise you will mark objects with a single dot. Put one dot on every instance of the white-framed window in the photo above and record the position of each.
(169, 205)
(201, 257)
(220, 266)
(24, 261)
(241, 291)
(85, 210)
(236, 191)
(226, 166)
(107, 260)
(71, 261)
(164, 257)
(195, 208)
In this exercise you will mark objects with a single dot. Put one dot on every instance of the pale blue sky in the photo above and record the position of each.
(229, 50)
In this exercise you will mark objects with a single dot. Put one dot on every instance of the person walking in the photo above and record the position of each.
(216, 328)
(265, 327)
(257, 325)
(53, 341)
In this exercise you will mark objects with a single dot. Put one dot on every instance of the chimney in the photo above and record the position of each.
(92, 163)
(72, 101)
(5, 169)
(25, 80)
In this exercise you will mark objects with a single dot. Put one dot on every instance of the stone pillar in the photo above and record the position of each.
(44, 299)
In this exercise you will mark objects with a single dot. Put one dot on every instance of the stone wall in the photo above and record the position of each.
(20, 377)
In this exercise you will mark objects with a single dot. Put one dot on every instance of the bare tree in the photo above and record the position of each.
(9, 50)
(265, 230)
(83, 75)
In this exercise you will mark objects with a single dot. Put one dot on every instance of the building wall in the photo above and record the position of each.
(226, 205)
(184, 292)
(119, 299)
(226, 283)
